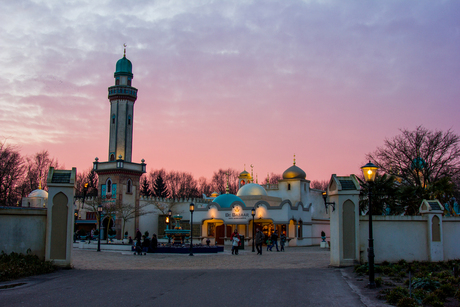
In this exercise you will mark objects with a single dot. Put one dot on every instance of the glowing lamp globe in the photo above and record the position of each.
(369, 171)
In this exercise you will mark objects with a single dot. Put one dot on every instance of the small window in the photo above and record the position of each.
(289, 186)
(299, 230)
(129, 187)
(112, 157)
(129, 82)
(113, 119)
(129, 120)
(109, 186)
(117, 82)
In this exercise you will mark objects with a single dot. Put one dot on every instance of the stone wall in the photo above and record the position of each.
(22, 229)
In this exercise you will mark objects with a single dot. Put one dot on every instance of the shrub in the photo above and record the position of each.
(378, 281)
(432, 300)
(448, 290)
(14, 265)
(407, 302)
(425, 283)
(396, 294)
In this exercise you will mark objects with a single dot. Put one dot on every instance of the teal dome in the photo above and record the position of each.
(226, 200)
(418, 164)
(124, 67)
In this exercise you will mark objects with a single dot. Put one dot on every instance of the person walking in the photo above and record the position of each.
(282, 241)
(235, 243)
(259, 241)
(274, 239)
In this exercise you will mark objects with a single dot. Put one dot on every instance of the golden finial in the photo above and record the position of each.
(294, 159)
(40, 183)
(244, 166)
(124, 53)
(227, 190)
(252, 173)
(268, 178)
(257, 179)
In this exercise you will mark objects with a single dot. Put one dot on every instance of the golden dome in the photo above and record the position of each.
(251, 189)
(244, 175)
(214, 194)
(294, 172)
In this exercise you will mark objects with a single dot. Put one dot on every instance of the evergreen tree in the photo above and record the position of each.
(145, 188)
(159, 188)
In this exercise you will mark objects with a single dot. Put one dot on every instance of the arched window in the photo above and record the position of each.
(109, 186)
(117, 82)
(113, 119)
(129, 186)
(129, 120)
(129, 82)
(112, 157)
(289, 186)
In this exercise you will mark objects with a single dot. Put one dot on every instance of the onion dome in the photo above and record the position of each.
(418, 164)
(226, 200)
(38, 193)
(244, 175)
(214, 194)
(294, 172)
(124, 67)
(251, 189)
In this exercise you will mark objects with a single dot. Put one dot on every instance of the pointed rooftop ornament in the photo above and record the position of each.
(294, 159)
(257, 178)
(268, 178)
(124, 52)
(252, 173)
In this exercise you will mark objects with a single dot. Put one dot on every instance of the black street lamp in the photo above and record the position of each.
(369, 172)
(99, 211)
(169, 222)
(75, 227)
(192, 208)
(253, 213)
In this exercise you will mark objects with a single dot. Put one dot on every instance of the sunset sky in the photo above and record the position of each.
(227, 83)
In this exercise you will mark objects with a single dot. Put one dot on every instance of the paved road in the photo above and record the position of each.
(180, 280)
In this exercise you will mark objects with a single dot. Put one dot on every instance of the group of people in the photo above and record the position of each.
(271, 241)
(259, 241)
(144, 244)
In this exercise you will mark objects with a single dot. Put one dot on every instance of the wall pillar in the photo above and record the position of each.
(432, 210)
(344, 220)
(60, 216)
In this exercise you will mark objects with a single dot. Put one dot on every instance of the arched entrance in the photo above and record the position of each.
(107, 223)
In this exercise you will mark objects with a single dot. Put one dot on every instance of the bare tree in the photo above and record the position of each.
(11, 172)
(127, 212)
(219, 180)
(419, 157)
(36, 168)
(204, 187)
(319, 184)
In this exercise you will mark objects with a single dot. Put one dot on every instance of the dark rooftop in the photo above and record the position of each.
(61, 177)
(347, 185)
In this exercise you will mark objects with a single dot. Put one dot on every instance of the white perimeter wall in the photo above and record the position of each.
(451, 237)
(395, 238)
(406, 237)
(21, 229)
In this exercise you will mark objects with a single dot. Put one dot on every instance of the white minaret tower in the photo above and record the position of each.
(122, 97)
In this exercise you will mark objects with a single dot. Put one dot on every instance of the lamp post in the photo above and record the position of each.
(75, 228)
(169, 222)
(99, 211)
(369, 172)
(253, 213)
(192, 208)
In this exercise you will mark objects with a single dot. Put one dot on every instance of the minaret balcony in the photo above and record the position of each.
(122, 91)
(115, 166)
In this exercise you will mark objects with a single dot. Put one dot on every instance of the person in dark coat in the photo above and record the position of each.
(259, 241)
(154, 243)
(138, 235)
(146, 245)
(274, 239)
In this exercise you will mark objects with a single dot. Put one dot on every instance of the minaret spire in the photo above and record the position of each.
(227, 189)
(124, 52)
(294, 159)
